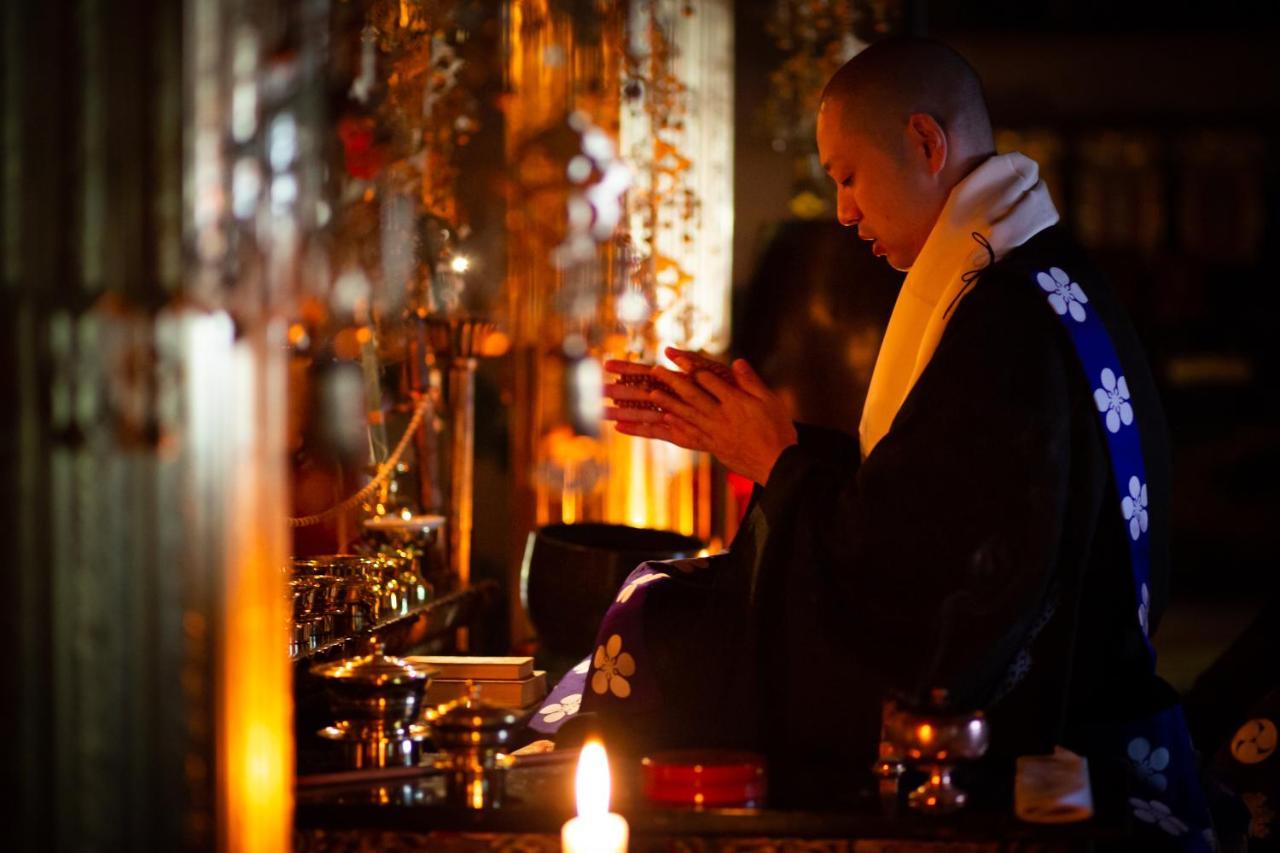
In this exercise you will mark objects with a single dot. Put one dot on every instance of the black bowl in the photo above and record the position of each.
(572, 572)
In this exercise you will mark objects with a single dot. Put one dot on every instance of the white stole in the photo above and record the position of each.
(1005, 201)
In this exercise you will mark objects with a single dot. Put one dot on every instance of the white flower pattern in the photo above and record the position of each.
(630, 588)
(1113, 398)
(1148, 763)
(582, 668)
(1144, 610)
(1065, 295)
(1134, 506)
(1156, 812)
(566, 707)
(613, 668)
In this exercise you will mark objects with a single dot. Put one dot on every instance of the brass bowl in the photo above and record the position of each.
(374, 691)
(935, 737)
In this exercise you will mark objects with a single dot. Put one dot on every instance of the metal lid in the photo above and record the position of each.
(469, 721)
(374, 668)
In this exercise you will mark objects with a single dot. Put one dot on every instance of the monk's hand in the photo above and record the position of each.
(744, 425)
(636, 413)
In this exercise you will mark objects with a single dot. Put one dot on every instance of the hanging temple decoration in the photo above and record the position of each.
(656, 76)
(814, 37)
(617, 176)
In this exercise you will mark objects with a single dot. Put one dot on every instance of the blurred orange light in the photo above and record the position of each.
(495, 344)
(346, 344)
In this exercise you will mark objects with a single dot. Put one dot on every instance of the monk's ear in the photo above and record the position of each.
(928, 139)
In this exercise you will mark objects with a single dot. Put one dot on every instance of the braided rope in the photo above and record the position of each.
(383, 474)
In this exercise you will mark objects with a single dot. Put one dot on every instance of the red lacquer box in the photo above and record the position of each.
(704, 778)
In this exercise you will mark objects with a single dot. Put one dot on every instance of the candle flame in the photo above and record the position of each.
(592, 782)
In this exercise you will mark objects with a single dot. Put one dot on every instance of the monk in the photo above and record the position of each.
(999, 527)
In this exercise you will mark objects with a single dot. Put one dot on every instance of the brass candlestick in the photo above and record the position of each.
(458, 341)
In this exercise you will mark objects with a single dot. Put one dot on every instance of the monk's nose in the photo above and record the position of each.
(847, 213)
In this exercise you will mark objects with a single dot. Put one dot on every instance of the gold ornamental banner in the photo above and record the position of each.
(645, 86)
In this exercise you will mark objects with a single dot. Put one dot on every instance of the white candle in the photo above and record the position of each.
(595, 829)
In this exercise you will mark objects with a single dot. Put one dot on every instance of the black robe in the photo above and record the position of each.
(979, 548)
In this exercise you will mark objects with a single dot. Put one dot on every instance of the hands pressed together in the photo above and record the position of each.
(742, 423)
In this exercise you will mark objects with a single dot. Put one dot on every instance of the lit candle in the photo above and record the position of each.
(595, 829)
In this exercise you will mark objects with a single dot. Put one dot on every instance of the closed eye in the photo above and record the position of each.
(847, 182)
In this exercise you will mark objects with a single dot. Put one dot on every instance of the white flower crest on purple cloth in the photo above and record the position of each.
(613, 668)
(1148, 763)
(1113, 398)
(1144, 610)
(625, 595)
(1064, 294)
(1134, 507)
(581, 668)
(566, 707)
(1156, 812)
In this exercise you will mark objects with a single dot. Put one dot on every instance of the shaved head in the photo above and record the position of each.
(882, 86)
(899, 126)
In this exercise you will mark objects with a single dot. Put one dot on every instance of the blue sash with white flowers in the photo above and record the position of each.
(1168, 799)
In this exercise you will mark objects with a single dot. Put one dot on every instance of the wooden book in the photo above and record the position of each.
(500, 693)
(456, 667)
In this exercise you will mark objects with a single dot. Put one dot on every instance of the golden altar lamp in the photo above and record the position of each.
(595, 829)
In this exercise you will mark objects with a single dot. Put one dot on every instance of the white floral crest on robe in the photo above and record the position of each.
(1144, 609)
(566, 707)
(1065, 295)
(1148, 763)
(1156, 812)
(1134, 507)
(1113, 398)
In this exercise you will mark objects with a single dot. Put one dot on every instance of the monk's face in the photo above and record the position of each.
(885, 184)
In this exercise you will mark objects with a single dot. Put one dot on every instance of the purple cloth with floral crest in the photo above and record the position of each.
(616, 673)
